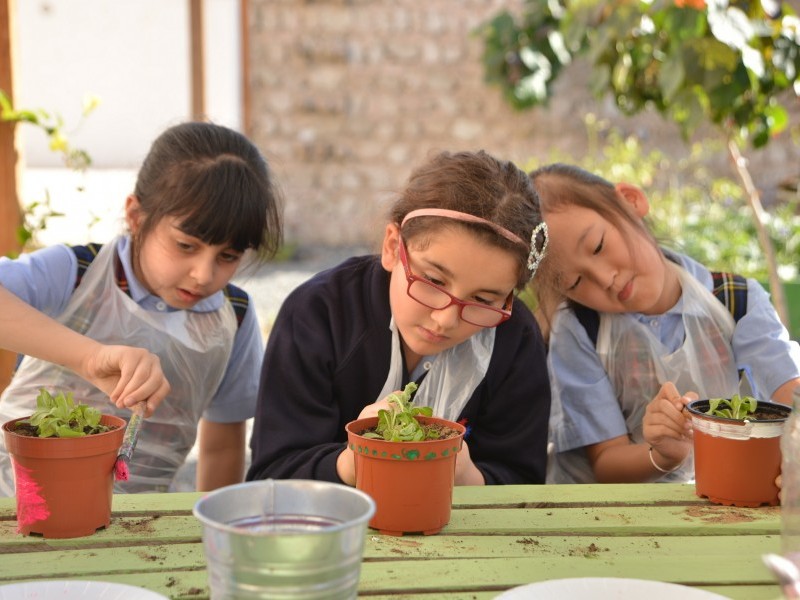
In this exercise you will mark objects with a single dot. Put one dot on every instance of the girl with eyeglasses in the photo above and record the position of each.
(436, 306)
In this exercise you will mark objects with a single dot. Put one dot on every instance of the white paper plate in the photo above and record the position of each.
(67, 590)
(605, 588)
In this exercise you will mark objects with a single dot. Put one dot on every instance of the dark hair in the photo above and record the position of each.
(475, 183)
(217, 182)
(560, 186)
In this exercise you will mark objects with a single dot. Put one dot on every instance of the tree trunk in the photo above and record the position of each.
(754, 201)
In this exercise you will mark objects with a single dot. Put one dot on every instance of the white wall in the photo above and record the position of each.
(136, 57)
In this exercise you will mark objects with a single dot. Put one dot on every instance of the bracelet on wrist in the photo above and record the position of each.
(653, 462)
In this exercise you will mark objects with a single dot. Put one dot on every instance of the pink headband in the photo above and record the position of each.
(537, 249)
(459, 216)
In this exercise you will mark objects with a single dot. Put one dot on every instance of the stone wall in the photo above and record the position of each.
(349, 95)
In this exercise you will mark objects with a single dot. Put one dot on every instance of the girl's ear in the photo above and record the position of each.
(389, 248)
(635, 197)
(133, 213)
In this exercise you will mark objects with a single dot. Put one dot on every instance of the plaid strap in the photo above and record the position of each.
(731, 290)
(86, 254)
(238, 299)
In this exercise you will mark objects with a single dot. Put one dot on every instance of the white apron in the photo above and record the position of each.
(637, 364)
(194, 349)
(452, 378)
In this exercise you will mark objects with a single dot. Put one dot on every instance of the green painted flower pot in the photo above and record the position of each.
(411, 482)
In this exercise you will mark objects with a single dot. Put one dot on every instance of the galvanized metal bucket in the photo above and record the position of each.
(291, 538)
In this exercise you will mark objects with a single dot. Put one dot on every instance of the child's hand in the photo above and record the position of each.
(346, 466)
(666, 426)
(128, 375)
(466, 471)
(371, 410)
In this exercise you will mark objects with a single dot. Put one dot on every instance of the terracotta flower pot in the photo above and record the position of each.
(64, 485)
(411, 482)
(736, 462)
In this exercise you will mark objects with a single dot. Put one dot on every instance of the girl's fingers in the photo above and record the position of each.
(663, 420)
(371, 410)
(152, 396)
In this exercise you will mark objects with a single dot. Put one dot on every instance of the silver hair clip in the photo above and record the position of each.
(536, 255)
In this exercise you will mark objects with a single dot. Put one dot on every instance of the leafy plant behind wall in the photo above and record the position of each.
(36, 214)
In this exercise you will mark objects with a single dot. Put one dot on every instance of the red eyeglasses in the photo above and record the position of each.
(431, 295)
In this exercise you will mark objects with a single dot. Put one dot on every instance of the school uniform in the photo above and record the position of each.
(330, 354)
(602, 387)
(211, 354)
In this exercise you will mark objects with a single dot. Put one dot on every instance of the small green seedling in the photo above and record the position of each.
(399, 423)
(737, 407)
(59, 416)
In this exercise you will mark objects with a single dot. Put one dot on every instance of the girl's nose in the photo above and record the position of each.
(202, 271)
(447, 318)
(602, 276)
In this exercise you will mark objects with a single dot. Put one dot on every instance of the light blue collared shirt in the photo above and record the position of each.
(591, 412)
(45, 279)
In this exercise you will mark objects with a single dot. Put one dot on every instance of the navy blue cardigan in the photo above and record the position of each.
(328, 357)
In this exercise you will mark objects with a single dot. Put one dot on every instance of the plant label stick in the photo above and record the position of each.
(121, 470)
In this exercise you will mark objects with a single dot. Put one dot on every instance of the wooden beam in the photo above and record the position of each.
(247, 98)
(10, 213)
(197, 39)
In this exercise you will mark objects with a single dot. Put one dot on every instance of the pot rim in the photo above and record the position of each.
(118, 421)
(692, 407)
(368, 422)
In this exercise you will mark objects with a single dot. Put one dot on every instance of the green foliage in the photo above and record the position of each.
(399, 423)
(723, 62)
(738, 407)
(59, 416)
(36, 214)
(52, 125)
(691, 211)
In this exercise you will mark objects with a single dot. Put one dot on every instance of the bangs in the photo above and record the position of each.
(225, 204)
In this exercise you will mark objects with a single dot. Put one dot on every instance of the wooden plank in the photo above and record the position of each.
(96, 562)
(743, 592)
(596, 521)
(246, 90)
(180, 585)
(10, 212)
(575, 494)
(198, 60)
(121, 532)
(497, 574)
(80, 559)
(172, 503)
(379, 548)
(613, 520)
(192, 585)
(463, 497)
(536, 522)
(177, 577)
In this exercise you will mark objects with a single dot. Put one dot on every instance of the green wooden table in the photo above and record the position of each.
(498, 537)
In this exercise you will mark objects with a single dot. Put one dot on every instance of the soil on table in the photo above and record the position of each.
(433, 431)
